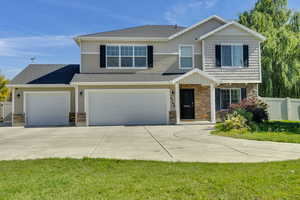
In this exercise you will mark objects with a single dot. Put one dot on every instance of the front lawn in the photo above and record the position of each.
(277, 131)
(114, 179)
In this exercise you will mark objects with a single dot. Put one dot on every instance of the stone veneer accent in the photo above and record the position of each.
(202, 100)
(172, 117)
(80, 119)
(72, 117)
(18, 119)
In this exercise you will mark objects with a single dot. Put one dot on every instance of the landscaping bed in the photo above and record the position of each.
(249, 119)
(276, 131)
(114, 179)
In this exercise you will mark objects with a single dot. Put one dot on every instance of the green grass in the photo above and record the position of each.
(138, 180)
(276, 131)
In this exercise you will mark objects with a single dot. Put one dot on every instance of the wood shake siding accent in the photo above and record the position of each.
(250, 73)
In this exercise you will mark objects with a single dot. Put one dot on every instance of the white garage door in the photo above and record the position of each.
(127, 106)
(47, 109)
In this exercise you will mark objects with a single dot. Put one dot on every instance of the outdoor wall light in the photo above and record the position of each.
(81, 93)
(18, 95)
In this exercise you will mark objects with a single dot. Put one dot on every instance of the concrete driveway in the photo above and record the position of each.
(167, 143)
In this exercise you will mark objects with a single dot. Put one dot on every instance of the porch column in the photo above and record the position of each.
(13, 105)
(212, 103)
(177, 103)
(76, 104)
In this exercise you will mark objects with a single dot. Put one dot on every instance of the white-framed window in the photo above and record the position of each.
(126, 56)
(230, 96)
(232, 55)
(112, 56)
(186, 56)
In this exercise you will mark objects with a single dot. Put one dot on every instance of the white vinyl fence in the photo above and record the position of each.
(283, 108)
(5, 112)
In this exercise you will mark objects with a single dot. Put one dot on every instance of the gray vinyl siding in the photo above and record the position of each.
(161, 63)
(166, 54)
(251, 73)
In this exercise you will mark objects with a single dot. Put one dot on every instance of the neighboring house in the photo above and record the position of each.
(143, 75)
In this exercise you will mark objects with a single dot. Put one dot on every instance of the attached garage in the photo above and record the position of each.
(47, 108)
(127, 106)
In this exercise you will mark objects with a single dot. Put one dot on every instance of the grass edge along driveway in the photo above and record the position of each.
(276, 131)
(120, 179)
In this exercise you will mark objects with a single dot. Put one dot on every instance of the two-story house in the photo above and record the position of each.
(152, 74)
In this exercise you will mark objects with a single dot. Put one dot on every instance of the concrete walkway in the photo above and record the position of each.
(191, 143)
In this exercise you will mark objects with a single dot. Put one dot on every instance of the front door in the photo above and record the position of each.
(187, 110)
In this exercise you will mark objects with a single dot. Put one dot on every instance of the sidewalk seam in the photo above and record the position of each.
(164, 148)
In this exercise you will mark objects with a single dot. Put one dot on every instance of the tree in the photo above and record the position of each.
(281, 50)
(4, 91)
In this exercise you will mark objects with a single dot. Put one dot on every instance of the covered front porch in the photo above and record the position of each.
(195, 98)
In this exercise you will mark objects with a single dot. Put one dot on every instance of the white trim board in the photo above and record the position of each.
(196, 70)
(255, 34)
(39, 85)
(123, 83)
(197, 24)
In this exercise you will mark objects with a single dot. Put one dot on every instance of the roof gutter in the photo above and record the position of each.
(154, 39)
(123, 83)
(39, 85)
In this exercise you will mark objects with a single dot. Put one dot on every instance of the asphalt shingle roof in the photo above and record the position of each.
(140, 31)
(133, 77)
(46, 74)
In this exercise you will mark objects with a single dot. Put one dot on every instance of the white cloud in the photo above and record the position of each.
(82, 5)
(178, 13)
(28, 46)
(9, 72)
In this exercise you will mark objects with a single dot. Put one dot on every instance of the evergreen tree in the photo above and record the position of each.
(281, 50)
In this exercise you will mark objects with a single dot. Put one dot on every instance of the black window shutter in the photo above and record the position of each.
(217, 99)
(218, 55)
(102, 56)
(243, 93)
(150, 56)
(246, 55)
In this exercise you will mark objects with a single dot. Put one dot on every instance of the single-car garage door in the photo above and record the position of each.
(127, 106)
(47, 108)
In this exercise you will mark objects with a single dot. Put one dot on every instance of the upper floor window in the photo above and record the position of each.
(186, 57)
(233, 55)
(124, 56)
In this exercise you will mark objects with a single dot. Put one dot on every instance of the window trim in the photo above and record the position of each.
(193, 56)
(240, 98)
(231, 44)
(133, 56)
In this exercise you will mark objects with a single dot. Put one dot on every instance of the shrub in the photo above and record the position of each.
(247, 115)
(221, 115)
(235, 121)
(254, 105)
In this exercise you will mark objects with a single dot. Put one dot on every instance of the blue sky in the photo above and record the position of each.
(44, 28)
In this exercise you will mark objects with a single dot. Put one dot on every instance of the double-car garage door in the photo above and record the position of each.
(127, 106)
(102, 107)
